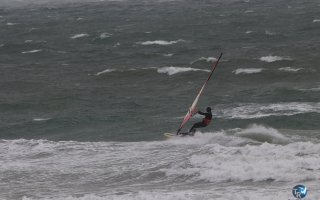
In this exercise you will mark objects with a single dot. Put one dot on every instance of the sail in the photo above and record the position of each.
(192, 110)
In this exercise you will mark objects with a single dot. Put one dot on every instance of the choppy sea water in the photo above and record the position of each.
(89, 87)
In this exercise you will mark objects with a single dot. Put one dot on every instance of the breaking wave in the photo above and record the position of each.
(105, 35)
(273, 58)
(267, 32)
(81, 35)
(174, 70)
(41, 119)
(253, 110)
(162, 70)
(253, 154)
(161, 42)
(11, 24)
(290, 69)
(206, 59)
(105, 71)
(32, 51)
(248, 70)
(316, 89)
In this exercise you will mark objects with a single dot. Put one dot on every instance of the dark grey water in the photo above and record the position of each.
(112, 76)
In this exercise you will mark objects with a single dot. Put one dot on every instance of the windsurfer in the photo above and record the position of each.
(205, 122)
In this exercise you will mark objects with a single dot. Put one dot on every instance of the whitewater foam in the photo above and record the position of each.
(41, 119)
(229, 193)
(80, 35)
(122, 70)
(290, 69)
(105, 35)
(32, 51)
(274, 58)
(316, 20)
(12, 24)
(263, 134)
(174, 70)
(161, 42)
(105, 71)
(316, 89)
(207, 59)
(216, 163)
(168, 55)
(121, 169)
(248, 11)
(253, 110)
(267, 32)
(248, 70)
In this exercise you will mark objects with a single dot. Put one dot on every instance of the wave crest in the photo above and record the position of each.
(80, 35)
(290, 69)
(274, 58)
(161, 42)
(174, 70)
(32, 51)
(248, 70)
(252, 111)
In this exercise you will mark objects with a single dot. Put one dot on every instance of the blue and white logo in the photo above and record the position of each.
(299, 191)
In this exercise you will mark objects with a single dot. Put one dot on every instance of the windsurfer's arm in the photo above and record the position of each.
(201, 113)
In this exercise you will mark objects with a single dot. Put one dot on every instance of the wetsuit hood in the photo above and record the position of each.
(208, 109)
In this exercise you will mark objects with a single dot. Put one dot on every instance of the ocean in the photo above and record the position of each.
(88, 87)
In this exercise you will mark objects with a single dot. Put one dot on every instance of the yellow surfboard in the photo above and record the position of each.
(169, 135)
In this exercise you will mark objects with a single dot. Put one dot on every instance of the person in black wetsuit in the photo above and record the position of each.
(205, 122)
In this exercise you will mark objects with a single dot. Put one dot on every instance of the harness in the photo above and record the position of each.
(206, 120)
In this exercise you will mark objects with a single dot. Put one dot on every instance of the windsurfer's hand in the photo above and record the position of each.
(195, 111)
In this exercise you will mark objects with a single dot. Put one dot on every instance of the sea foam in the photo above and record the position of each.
(207, 59)
(161, 42)
(273, 58)
(12, 24)
(248, 70)
(32, 51)
(174, 70)
(41, 119)
(261, 133)
(267, 32)
(316, 89)
(105, 71)
(81, 35)
(253, 110)
(290, 69)
(105, 35)
(241, 156)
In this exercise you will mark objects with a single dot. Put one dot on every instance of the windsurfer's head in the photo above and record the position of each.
(208, 109)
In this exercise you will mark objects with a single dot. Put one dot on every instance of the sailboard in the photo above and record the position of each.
(193, 110)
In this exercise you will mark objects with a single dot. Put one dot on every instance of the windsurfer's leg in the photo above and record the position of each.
(196, 125)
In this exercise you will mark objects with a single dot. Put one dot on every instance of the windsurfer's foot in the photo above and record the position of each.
(183, 134)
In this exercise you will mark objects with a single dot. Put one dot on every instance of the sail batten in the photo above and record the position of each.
(192, 109)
